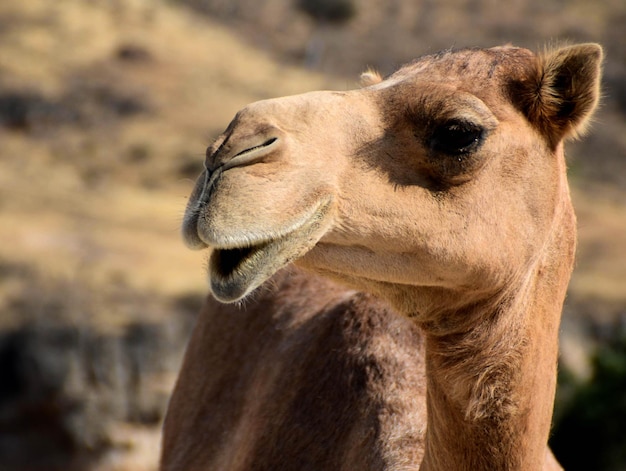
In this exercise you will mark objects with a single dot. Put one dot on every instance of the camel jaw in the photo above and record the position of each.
(237, 270)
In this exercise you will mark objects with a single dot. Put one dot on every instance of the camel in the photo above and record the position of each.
(396, 259)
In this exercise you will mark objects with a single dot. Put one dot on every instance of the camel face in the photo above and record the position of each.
(441, 177)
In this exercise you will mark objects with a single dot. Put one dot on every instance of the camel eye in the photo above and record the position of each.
(456, 138)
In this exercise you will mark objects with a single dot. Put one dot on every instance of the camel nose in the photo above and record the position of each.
(241, 152)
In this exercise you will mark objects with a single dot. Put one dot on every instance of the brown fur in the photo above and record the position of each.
(441, 190)
(306, 376)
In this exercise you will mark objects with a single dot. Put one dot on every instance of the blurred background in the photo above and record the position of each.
(106, 108)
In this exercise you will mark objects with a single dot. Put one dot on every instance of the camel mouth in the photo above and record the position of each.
(234, 272)
(227, 261)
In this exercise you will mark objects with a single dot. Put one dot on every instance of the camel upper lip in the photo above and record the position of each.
(251, 154)
(218, 240)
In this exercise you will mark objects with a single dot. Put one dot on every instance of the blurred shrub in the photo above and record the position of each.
(130, 52)
(20, 110)
(85, 103)
(589, 430)
(66, 379)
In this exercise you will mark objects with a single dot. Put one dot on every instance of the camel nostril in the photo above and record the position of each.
(251, 154)
(267, 143)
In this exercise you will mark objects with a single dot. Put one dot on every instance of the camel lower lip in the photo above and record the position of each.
(232, 271)
(226, 262)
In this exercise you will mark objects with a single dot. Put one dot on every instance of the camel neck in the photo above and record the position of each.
(491, 389)
(491, 386)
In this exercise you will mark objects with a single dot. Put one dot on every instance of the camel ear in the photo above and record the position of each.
(370, 77)
(563, 91)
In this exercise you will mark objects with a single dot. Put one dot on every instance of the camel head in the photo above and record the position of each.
(447, 177)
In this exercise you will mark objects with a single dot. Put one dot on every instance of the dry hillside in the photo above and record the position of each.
(106, 107)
